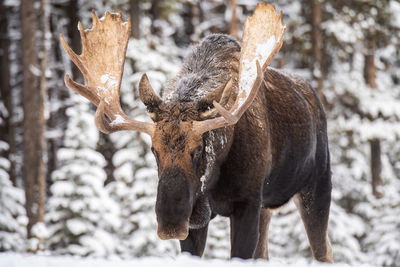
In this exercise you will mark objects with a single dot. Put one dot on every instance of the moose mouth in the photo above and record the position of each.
(170, 231)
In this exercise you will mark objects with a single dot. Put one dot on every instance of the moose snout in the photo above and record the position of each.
(174, 204)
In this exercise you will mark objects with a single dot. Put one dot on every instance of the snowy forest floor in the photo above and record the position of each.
(28, 260)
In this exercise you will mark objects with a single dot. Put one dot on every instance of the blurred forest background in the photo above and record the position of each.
(65, 188)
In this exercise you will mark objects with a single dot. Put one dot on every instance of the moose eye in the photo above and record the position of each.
(196, 154)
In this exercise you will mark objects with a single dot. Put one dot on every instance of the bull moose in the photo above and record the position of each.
(230, 137)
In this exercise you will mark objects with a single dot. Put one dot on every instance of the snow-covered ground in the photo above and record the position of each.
(27, 260)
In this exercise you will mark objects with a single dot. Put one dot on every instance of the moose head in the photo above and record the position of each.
(182, 131)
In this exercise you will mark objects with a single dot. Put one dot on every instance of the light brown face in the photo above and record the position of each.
(179, 154)
(176, 144)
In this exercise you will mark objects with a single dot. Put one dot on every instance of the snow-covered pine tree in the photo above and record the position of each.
(81, 215)
(384, 232)
(13, 219)
(383, 240)
(358, 115)
(12, 212)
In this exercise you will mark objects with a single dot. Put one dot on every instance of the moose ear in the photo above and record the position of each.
(148, 96)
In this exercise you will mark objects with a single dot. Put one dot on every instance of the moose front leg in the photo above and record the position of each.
(244, 230)
(195, 242)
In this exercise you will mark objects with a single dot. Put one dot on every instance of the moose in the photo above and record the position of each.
(230, 136)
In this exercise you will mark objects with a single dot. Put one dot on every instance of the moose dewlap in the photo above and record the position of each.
(232, 137)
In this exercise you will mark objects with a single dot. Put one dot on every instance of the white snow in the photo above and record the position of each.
(4, 163)
(249, 69)
(118, 120)
(63, 188)
(39, 230)
(110, 81)
(110, 84)
(35, 70)
(202, 180)
(4, 146)
(210, 158)
(184, 260)
(343, 31)
(395, 7)
(77, 226)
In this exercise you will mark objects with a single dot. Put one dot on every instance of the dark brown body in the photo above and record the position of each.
(277, 151)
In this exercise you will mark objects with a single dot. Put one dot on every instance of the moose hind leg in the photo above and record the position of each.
(195, 242)
(313, 205)
(262, 245)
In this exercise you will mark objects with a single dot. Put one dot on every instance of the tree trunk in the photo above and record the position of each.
(73, 34)
(369, 65)
(376, 167)
(33, 170)
(316, 37)
(41, 182)
(51, 122)
(134, 10)
(200, 11)
(370, 79)
(106, 147)
(7, 130)
(154, 15)
(233, 24)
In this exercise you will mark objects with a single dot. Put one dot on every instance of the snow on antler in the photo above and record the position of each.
(262, 39)
(103, 54)
(102, 64)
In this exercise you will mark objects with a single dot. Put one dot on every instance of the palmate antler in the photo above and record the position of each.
(102, 64)
(262, 39)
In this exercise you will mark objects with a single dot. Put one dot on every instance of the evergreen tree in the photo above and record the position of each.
(13, 219)
(360, 113)
(81, 215)
(384, 235)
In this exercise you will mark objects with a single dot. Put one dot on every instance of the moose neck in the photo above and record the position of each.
(217, 145)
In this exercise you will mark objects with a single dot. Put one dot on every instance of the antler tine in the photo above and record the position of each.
(226, 95)
(74, 57)
(100, 120)
(82, 90)
(262, 39)
(122, 122)
(95, 19)
(224, 99)
(102, 63)
(76, 87)
(232, 116)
